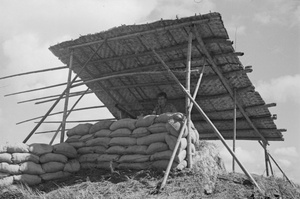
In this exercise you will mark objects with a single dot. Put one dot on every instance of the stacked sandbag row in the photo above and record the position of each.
(142, 143)
(34, 163)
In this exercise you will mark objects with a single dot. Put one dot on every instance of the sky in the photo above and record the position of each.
(267, 31)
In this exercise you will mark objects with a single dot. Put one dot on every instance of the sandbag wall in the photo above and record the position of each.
(32, 164)
(143, 143)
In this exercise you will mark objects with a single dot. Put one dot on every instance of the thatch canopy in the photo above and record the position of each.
(131, 75)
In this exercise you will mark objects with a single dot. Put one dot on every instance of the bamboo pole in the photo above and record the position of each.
(63, 127)
(68, 113)
(77, 121)
(234, 129)
(216, 131)
(187, 100)
(58, 99)
(266, 160)
(32, 72)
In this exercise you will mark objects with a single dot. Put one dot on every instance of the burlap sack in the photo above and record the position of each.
(73, 138)
(105, 124)
(174, 127)
(122, 141)
(65, 149)
(80, 129)
(123, 123)
(99, 149)
(107, 165)
(135, 165)
(40, 148)
(108, 158)
(77, 145)
(17, 148)
(72, 166)
(116, 150)
(121, 132)
(6, 181)
(145, 121)
(140, 132)
(136, 149)
(53, 157)
(134, 158)
(163, 118)
(149, 139)
(85, 138)
(31, 168)
(171, 141)
(157, 128)
(88, 165)
(4, 175)
(56, 175)
(28, 179)
(51, 167)
(157, 147)
(103, 133)
(9, 168)
(23, 157)
(86, 150)
(6, 157)
(89, 157)
(100, 141)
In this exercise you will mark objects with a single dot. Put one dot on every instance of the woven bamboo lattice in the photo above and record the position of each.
(128, 49)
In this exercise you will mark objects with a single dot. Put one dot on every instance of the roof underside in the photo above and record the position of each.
(121, 56)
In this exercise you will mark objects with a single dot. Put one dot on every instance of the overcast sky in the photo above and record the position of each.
(266, 31)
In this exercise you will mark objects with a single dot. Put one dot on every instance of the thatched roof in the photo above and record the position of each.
(125, 55)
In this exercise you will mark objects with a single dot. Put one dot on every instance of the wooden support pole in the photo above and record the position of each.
(234, 130)
(216, 131)
(63, 126)
(68, 113)
(187, 100)
(266, 160)
(36, 71)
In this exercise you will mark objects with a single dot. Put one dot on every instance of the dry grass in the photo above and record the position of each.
(143, 184)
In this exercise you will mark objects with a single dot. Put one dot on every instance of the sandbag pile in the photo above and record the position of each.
(34, 163)
(143, 143)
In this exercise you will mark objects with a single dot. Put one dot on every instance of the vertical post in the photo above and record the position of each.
(63, 124)
(234, 130)
(266, 159)
(187, 100)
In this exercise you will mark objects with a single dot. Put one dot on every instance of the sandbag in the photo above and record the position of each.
(136, 149)
(116, 150)
(73, 138)
(72, 166)
(77, 145)
(3, 175)
(123, 123)
(108, 158)
(88, 165)
(100, 141)
(157, 128)
(56, 175)
(145, 121)
(149, 139)
(28, 179)
(105, 124)
(182, 165)
(99, 149)
(80, 129)
(65, 149)
(135, 165)
(23, 157)
(40, 148)
(17, 148)
(53, 157)
(157, 147)
(166, 155)
(121, 132)
(171, 141)
(6, 181)
(140, 132)
(6, 157)
(51, 167)
(89, 157)
(164, 117)
(31, 168)
(163, 164)
(85, 138)
(174, 127)
(134, 158)
(107, 165)
(103, 133)
(9, 168)
(86, 150)
(122, 141)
